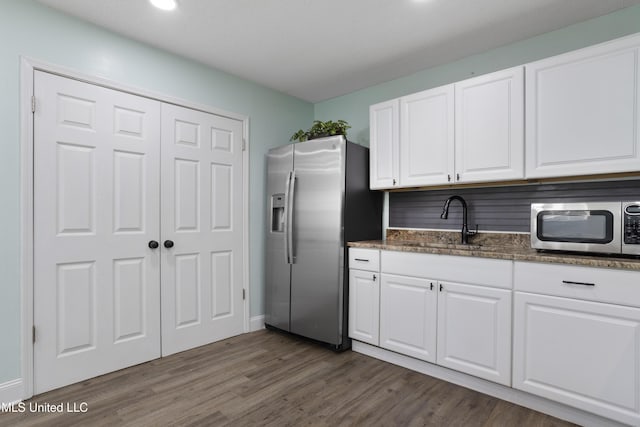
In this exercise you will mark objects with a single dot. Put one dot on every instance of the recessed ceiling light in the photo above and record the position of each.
(164, 4)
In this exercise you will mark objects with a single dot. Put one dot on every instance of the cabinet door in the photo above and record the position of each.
(364, 306)
(581, 353)
(490, 127)
(426, 137)
(383, 142)
(474, 330)
(582, 111)
(408, 316)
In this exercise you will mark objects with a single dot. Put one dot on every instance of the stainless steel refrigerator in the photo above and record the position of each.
(318, 200)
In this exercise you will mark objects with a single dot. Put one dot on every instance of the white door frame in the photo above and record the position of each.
(27, 68)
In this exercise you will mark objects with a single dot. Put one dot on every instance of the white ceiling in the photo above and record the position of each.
(319, 49)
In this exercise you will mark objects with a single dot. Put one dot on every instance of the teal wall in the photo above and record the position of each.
(354, 107)
(30, 29)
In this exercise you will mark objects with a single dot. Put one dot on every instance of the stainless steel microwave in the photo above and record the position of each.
(602, 227)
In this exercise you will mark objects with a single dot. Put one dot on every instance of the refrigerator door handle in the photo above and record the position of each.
(290, 206)
(287, 250)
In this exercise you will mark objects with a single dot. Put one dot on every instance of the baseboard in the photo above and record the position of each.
(509, 394)
(11, 391)
(256, 323)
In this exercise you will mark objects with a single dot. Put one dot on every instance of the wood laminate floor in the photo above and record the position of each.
(269, 379)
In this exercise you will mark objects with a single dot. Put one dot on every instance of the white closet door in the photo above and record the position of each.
(202, 215)
(96, 188)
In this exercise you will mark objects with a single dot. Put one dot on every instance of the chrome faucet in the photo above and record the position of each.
(465, 229)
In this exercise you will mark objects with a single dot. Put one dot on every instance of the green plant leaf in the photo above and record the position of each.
(320, 128)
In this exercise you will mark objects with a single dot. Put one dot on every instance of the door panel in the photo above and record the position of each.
(582, 112)
(129, 189)
(187, 295)
(222, 278)
(76, 307)
(581, 353)
(364, 306)
(96, 199)
(186, 195)
(221, 197)
(318, 251)
(202, 216)
(490, 127)
(75, 189)
(408, 309)
(427, 137)
(384, 119)
(129, 297)
(474, 330)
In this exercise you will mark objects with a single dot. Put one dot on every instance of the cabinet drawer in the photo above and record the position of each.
(364, 259)
(586, 283)
(482, 271)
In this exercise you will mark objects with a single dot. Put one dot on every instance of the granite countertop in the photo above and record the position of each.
(488, 245)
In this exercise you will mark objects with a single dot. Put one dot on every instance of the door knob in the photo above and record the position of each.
(153, 244)
(168, 244)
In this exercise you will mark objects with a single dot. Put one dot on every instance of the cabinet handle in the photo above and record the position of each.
(431, 287)
(394, 181)
(457, 177)
(440, 287)
(361, 259)
(374, 277)
(569, 282)
(449, 177)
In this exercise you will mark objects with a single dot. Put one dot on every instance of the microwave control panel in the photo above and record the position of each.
(631, 223)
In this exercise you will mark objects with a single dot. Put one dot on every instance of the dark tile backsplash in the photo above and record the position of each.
(498, 208)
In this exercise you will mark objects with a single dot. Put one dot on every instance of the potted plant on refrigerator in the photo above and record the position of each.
(321, 129)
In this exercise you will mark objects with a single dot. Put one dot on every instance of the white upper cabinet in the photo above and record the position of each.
(384, 139)
(575, 114)
(427, 137)
(469, 131)
(582, 111)
(489, 142)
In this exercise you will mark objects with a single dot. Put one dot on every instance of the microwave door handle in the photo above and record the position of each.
(287, 203)
(290, 217)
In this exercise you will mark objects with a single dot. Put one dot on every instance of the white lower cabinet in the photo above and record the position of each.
(364, 306)
(474, 330)
(459, 326)
(576, 330)
(581, 353)
(364, 295)
(408, 316)
(577, 337)
(426, 313)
